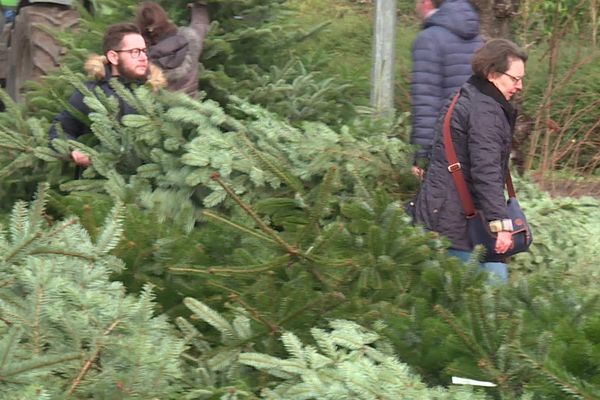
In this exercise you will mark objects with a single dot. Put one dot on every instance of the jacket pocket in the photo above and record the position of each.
(436, 208)
(429, 212)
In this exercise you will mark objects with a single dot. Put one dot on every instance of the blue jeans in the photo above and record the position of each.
(498, 270)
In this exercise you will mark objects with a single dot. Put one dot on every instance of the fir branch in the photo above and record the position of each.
(37, 363)
(58, 229)
(485, 361)
(62, 252)
(273, 328)
(392, 227)
(37, 335)
(112, 231)
(126, 94)
(38, 207)
(88, 364)
(8, 282)
(23, 245)
(84, 185)
(549, 376)
(359, 185)
(334, 263)
(17, 147)
(331, 300)
(319, 208)
(222, 270)
(18, 221)
(22, 161)
(210, 316)
(18, 249)
(270, 165)
(224, 288)
(218, 218)
(450, 320)
(9, 345)
(478, 318)
(290, 249)
(13, 109)
(374, 241)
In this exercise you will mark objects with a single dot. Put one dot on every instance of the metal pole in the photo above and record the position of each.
(384, 53)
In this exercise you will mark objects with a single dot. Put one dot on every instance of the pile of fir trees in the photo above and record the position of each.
(260, 232)
(67, 330)
(307, 231)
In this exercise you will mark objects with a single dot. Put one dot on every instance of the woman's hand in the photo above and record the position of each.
(418, 172)
(503, 242)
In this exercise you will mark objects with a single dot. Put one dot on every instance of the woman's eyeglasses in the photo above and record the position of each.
(135, 53)
(514, 78)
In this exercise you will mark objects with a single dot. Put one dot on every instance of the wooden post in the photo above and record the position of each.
(384, 53)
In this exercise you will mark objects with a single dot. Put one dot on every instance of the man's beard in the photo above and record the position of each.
(129, 75)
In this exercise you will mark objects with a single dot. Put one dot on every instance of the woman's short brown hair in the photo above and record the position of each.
(115, 34)
(495, 56)
(153, 22)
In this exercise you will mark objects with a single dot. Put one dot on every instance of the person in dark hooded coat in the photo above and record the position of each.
(176, 51)
(441, 63)
(125, 59)
(482, 126)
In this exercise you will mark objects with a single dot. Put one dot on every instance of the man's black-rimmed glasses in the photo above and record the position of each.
(135, 53)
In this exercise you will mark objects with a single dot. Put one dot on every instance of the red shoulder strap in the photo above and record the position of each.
(456, 170)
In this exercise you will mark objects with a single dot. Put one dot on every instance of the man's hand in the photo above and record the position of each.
(81, 159)
(418, 172)
(503, 242)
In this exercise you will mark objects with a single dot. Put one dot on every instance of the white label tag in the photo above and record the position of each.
(464, 381)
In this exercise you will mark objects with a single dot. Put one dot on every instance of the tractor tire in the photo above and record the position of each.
(2, 19)
(33, 52)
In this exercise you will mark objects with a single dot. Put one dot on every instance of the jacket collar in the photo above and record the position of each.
(489, 89)
(97, 68)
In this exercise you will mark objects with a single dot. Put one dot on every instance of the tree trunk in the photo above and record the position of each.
(382, 75)
(496, 17)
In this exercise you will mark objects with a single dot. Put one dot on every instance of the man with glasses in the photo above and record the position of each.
(125, 58)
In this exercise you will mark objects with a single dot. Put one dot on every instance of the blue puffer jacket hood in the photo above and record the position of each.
(458, 16)
(441, 63)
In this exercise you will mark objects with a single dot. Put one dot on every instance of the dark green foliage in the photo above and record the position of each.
(530, 338)
(149, 247)
(284, 226)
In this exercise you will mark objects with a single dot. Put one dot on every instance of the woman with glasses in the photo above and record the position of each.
(175, 50)
(481, 126)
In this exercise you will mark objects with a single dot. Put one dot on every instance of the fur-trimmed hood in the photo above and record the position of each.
(97, 67)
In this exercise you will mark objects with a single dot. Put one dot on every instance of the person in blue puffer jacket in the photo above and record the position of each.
(441, 63)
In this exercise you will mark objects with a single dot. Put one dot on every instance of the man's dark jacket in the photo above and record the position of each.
(482, 125)
(441, 63)
(77, 125)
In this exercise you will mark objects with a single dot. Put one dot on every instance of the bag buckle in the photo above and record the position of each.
(454, 167)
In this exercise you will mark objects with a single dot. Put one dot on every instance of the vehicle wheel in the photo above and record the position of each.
(34, 52)
(2, 18)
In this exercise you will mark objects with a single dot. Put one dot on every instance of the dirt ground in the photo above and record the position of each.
(566, 187)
